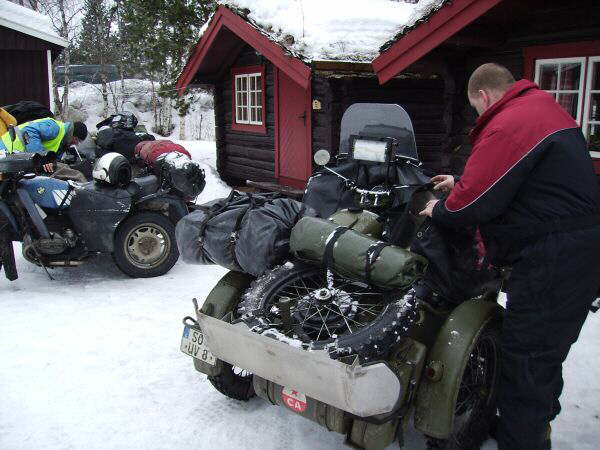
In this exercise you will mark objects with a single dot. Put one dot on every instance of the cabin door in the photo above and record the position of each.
(293, 149)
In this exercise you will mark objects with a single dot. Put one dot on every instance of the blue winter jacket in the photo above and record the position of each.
(38, 132)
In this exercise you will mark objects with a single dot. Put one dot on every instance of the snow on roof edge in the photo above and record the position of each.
(30, 22)
(408, 29)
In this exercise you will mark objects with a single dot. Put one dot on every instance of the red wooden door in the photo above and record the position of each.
(293, 147)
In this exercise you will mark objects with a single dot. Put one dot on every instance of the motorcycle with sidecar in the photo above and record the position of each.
(339, 334)
(61, 224)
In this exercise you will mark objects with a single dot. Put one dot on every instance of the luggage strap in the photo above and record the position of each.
(331, 240)
(517, 233)
(373, 253)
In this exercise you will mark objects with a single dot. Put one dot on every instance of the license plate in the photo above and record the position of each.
(192, 343)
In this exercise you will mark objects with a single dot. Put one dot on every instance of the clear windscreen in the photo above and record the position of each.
(364, 123)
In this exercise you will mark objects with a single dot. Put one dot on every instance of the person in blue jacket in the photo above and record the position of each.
(44, 135)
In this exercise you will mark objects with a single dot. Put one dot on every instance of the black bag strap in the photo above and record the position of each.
(331, 240)
(373, 253)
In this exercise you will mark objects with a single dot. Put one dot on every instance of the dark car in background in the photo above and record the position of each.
(88, 73)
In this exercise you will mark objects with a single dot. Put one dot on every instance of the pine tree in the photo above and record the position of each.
(160, 34)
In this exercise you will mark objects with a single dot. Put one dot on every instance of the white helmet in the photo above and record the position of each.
(112, 168)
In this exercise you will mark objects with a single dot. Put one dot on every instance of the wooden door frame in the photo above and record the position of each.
(308, 130)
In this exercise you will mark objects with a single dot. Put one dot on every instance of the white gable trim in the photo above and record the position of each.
(33, 32)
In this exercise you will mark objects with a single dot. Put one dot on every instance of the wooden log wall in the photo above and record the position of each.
(244, 156)
(423, 99)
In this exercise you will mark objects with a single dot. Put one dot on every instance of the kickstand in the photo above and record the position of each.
(39, 259)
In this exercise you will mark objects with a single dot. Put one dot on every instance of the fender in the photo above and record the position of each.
(34, 214)
(435, 401)
(224, 297)
(176, 206)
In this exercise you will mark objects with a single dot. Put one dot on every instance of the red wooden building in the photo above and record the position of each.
(28, 45)
(275, 106)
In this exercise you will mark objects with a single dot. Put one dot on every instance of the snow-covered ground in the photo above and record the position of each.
(91, 360)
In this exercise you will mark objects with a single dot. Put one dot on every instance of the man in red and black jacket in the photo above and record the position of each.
(530, 186)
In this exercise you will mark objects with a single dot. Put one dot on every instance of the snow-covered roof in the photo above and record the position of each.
(341, 30)
(28, 21)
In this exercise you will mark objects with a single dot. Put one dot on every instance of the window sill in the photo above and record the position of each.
(245, 128)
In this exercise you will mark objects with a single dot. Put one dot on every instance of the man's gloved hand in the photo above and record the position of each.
(443, 183)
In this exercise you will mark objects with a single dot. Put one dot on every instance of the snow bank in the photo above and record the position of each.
(334, 29)
(86, 104)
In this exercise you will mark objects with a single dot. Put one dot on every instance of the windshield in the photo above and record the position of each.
(380, 121)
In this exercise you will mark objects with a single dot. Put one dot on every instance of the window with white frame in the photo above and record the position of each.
(564, 79)
(591, 114)
(248, 99)
(575, 84)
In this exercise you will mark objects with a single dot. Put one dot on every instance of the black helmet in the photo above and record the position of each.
(123, 120)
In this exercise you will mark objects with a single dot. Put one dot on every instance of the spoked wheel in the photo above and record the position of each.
(234, 382)
(323, 310)
(476, 400)
(145, 245)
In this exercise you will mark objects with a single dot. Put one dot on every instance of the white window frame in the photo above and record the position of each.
(581, 91)
(258, 91)
(588, 100)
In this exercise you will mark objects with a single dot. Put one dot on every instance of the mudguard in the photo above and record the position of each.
(434, 405)
(96, 212)
(222, 300)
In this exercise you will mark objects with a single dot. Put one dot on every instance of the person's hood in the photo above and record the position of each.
(517, 89)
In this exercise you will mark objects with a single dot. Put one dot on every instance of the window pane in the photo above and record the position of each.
(245, 114)
(570, 76)
(253, 115)
(596, 76)
(238, 114)
(595, 107)
(258, 83)
(594, 137)
(244, 101)
(238, 84)
(252, 83)
(548, 77)
(259, 115)
(570, 102)
(259, 98)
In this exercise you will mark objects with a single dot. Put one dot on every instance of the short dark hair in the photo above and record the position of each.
(80, 130)
(491, 76)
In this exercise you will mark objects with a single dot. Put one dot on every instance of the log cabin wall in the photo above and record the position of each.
(244, 155)
(425, 100)
(508, 29)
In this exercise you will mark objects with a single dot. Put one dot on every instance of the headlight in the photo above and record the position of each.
(370, 150)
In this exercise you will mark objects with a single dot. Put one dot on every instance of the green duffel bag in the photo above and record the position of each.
(355, 255)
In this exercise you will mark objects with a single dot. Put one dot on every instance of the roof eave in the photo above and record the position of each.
(56, 40)
(419, 41)
(295, 68)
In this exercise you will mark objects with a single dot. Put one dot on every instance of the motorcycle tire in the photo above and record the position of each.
(233, 383)
(145, 245)
(471, 432)
(393, 315)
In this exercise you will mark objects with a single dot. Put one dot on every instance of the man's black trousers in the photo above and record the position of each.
(549, 293)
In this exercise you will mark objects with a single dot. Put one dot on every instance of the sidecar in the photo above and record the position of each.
(338, 334)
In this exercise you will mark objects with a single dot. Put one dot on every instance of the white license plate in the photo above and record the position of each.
(192, 343)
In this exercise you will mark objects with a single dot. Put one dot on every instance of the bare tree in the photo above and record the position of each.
(64, 15)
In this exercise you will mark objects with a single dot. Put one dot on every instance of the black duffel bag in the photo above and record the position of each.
(28, 110)
(243, 232)
(117, 140)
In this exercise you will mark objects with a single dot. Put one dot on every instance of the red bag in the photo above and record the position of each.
(150, 151)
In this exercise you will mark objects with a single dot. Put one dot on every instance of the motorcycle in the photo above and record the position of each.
(133, 220)
(338, 334)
